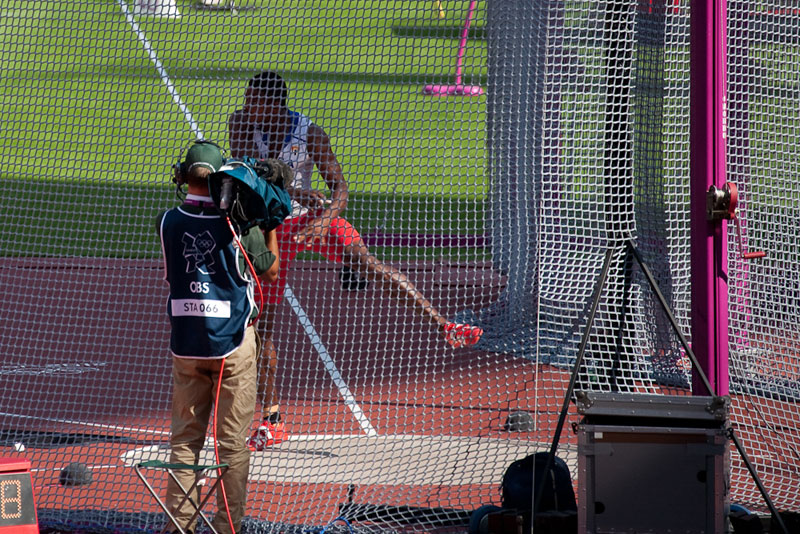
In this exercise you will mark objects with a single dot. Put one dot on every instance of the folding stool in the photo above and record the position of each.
(198, 470)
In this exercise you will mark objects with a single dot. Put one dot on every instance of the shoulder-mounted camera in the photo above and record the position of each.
(251, 192)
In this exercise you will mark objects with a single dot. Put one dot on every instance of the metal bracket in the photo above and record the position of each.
(721, 204)
(718, 203)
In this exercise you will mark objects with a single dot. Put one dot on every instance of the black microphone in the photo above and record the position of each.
(227, 193)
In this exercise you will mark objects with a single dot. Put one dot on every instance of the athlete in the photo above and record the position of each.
(266, 128)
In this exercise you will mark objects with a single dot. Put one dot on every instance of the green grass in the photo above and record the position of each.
(90, 129)
(87, 114)
(116, 220)
(78, 78)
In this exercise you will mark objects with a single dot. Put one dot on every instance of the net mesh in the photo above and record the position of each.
(493, 152)
(762, 117)
(597, 105)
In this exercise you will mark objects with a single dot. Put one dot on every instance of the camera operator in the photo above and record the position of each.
(214, 343)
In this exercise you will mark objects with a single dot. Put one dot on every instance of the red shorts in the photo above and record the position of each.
(340, 234)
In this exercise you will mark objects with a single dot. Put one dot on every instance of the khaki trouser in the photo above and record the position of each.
(195, 385)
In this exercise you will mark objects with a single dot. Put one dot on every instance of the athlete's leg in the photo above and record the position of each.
(271, 430)
(268, 366)
(393, 281)
(344, 244)
(273, 294)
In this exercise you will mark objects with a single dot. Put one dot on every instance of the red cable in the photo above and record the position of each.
(222, 368)
(252, 272)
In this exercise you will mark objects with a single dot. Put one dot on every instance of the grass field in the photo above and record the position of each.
(85, 105)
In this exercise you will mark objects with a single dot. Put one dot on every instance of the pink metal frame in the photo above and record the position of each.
(458, 88)
(709, 259)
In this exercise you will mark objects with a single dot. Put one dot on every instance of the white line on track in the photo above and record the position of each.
(160, 68)
(330, 366)
(103, 426)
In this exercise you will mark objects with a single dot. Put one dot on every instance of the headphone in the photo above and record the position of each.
(180, 170)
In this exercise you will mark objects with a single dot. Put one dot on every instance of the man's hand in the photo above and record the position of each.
(315, 231)
(308, 198)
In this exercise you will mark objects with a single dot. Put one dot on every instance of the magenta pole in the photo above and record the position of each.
(462, 45)
(458, 88)
(709, 259)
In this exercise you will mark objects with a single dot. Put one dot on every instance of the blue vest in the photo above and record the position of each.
(209, 301)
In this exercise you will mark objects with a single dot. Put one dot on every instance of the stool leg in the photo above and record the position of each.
(198, 507)
(212, 490)
(160, 502)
